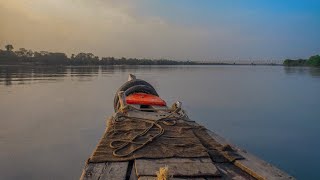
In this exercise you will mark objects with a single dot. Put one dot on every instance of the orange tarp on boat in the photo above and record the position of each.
(145, 99)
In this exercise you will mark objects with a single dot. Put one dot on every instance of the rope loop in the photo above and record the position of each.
(123, 143)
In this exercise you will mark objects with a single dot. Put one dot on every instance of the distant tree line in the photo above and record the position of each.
(24, 56)
(312, 61)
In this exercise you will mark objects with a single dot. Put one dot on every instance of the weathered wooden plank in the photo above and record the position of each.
(193, 167)
(230, 171)
(218, 138)
(109, 170)
(259, 168)
(252, 164)
(155, 178)
(92, 171)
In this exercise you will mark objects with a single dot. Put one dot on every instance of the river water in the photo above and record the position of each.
(51, 118)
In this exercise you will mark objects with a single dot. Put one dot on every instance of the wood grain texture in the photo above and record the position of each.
(193, 167)
(259, 168)
(101, 171)
(230, 171)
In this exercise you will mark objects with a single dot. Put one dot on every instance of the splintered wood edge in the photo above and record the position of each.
(253, 165)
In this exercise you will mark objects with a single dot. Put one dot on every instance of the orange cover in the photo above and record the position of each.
(145, 99)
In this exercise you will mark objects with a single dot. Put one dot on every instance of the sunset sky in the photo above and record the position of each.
(175, 29)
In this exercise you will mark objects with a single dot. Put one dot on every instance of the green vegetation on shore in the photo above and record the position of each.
(26, 57)
(312, 61)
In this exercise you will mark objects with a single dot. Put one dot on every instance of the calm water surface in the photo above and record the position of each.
(52, 118)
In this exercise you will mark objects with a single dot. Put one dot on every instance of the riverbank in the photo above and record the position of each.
(44, 58)
(312, 61)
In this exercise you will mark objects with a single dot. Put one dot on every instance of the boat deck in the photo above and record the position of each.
(224, 161)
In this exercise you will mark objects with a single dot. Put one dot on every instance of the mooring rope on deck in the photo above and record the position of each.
(153, 123)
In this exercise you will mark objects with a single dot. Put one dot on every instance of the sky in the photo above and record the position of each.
(206, 30)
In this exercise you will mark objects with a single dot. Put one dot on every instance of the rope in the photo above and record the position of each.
(153, 123)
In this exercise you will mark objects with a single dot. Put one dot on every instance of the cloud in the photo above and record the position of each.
(107, 28)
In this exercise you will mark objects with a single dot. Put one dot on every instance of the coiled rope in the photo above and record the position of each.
(123, 143)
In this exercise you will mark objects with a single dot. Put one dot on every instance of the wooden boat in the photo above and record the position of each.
(145, 139)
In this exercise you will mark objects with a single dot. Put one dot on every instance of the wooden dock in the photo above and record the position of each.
(217, 158)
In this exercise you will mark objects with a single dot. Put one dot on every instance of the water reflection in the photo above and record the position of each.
(311, 71)
(84, 70)
(12, 75)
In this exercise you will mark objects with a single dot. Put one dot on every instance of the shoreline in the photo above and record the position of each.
(120, 65)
